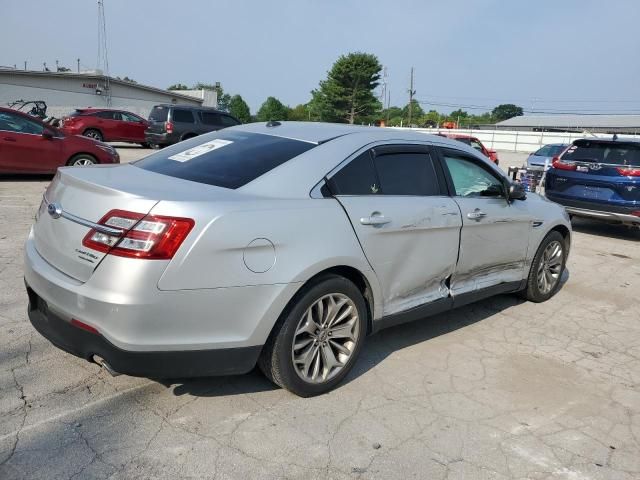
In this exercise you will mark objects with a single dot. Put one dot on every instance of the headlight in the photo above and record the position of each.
(107, 148)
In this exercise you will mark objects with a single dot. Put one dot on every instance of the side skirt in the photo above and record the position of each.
(445, 304)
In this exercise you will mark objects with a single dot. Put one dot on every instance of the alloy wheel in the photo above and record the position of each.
(325, 338)
(83, 162)
(550, 267)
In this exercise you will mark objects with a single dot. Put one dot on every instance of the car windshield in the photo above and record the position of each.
(227, 158)
(614, 153)
(159, 114)
(550, 150)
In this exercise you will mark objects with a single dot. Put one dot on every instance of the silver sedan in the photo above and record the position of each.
(282, 245)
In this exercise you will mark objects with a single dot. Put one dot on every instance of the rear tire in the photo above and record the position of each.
(93, 133)
(82, 160)
(546, 269)
(145, 145)
(317, 339)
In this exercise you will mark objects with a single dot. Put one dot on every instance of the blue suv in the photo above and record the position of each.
(599, 179)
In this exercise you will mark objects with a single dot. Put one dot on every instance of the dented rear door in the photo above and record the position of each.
(408, 230)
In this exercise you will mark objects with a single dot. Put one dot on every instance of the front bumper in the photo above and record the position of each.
(152, 364)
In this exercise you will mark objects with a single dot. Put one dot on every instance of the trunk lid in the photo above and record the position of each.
(88, 193)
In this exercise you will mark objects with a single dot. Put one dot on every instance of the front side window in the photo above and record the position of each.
(470, 179)
(182, 116)
(18, 124)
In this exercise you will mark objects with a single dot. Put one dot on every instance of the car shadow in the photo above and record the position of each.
(605, 229)
(376, 348)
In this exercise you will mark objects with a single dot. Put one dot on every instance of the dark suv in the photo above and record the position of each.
(169, 123)
(599, 179)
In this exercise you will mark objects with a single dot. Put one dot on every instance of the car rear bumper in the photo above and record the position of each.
(144, 331)
(161, 138)
(582, 208)
(152, 364)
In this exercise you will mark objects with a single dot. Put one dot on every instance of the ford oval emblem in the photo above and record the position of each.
(54, 210)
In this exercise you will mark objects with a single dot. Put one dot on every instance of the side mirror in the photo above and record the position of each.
(48, 133)
(517, 191)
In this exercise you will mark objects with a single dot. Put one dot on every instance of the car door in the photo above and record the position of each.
(132, 127)
(210, 121)
(495, 232)
(407, 225)
(108, 125)
(23, 148)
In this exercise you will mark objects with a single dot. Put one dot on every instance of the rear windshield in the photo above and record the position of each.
(463, 140)
(226, 158)
(614, 153)
(550, 150)
(159, 114)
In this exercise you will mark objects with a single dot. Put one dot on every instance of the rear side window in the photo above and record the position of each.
(159, 114)
(226, 158)
(105, 115)
(356, 178)
(406, 174)
(615, 153)
(210, 118)
(182, 116)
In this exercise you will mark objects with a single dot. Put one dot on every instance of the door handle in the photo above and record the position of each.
(477, 214)
(9, 139)
(376, 219)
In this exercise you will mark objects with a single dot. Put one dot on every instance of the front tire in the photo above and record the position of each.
(316, 341)
(93, 133)
(82, 160)
(546, 269)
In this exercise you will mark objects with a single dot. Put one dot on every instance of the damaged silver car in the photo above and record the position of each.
(282, 244)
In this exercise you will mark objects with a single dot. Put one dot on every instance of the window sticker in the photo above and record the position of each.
(200, 150)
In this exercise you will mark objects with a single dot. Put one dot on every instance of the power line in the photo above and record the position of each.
(543, 111)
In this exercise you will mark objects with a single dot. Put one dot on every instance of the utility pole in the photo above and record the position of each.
(78, 60)
(25, 65)
(412, 92)
(388, 105)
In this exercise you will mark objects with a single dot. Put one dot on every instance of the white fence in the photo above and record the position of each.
(518, 140)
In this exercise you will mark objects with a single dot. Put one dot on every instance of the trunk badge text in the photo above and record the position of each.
(54, 210)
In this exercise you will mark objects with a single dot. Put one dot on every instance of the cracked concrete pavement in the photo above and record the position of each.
(501, 389)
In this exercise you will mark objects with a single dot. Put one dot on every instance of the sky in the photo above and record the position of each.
(544, 55)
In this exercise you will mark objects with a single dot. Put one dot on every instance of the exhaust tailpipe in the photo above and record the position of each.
(103, 363)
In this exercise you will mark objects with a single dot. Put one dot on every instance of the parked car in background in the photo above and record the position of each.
(545, 155)
(106, 125)
(473, 142)
(599, 179)
(28, 145)
(283, 244)
(169, 123)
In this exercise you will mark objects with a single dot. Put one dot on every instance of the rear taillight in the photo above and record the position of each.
(629, 171)
(152, 237)
(560, 165)
(168, 126)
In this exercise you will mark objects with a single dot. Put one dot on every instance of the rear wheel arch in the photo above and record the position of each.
(92, 129)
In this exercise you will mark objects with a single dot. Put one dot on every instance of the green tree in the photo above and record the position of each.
(272, 109)
(416, 112)
(300, 113)
(506, 111)
(347, 93)
(239, 109)
(178, 86)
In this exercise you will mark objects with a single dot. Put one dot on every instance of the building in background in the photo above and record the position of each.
(623, 124)
(63, 92)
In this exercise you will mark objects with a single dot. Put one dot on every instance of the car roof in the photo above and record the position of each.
(607, 141)
(456, 135)
(189, 107)
(320, 132)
